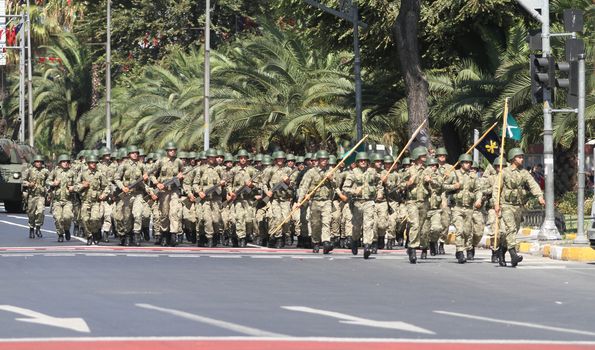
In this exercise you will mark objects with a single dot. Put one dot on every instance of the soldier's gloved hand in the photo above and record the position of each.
(296, 206)
(145, 177)
(160, 186)
(359, 190)
(456, 186)
(258, 197)
(542, 201)
(191, 197)
(477, 204)
(428, 178)
(232, 196)
(125, 189)
(343, 197)
(180, 176)
(56, 183)
(101, 197)
(269, 194)
(202, 195)
(222, 183)
(248, 183)
(497, 210)
(85, 184)
(154, 197)
(285, 179)
(410, 182)
(70, 188)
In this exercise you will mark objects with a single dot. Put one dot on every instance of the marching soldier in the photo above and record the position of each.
(516, 182)
(300, 228)
(208, 188)
(277, 188)
(397, 214)
(105, 166)
(166, 176)
(466, 197)
(187, 197)
(364, 186)
(130, 179)
(434, 220)
(445, 170)
(34, 179)
(491, 177)
(416, 183)
(241, 198)
(321, 205)
(62, 180)
(227, 171)
(94, 188)
(381, 208)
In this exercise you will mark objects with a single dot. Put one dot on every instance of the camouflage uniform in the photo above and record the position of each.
(62, 200)
(91, 197)
(130, 205)
(433, 225)
(35, 180)
(243, 205)
(210, 177)
(280, 203)
(170, 209)
(417, 193)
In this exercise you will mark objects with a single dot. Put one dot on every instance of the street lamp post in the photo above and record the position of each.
(207, 72)
(108, 78)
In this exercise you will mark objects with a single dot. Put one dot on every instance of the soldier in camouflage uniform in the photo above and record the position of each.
(381, 208)
(321, 205)
(445, 171)
(78, 167)
(300, 226)
(433, 223)
(416, 182)
(479, 214)
(241, 197)
(34, 179)
(394, 196)
(208, 188)
(131, 179)
(106, 167)
(163, 177)
(467, 196)
(227, 171)
(277, 186)
(187, 198)
(94, 188)
(61, 181)
(365, 187)
(516, 184)
(490, 178)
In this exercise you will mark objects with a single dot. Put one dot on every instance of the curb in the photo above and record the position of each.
(558, 252)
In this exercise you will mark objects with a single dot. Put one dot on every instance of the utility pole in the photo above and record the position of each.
(352, 17)
(207, 73)
(580, 231)
(30, 77)
(22, 80)
(108, 78)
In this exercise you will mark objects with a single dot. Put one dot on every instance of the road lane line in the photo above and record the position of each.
(516, 323)
(213, 322)
(42, 230)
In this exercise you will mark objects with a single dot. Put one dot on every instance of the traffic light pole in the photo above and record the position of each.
(580, 230)
(108, 77)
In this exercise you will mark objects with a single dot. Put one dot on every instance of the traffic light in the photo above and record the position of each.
(570, 82)
(542, 75)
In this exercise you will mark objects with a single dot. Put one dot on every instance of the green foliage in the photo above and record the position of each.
(567, 204)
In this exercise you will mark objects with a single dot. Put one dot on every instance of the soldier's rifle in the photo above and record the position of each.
(243, 189)
(413, 136)
(328, 175)
(279, 186)
(216, 188)
(174, 182)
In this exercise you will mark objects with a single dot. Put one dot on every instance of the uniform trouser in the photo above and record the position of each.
(463, 221)
(170, 212)
(62, 212)
(188, 215)
(478, 226)
(146, 213)
(417, 215)
(131, 208)
(399, 218)
(280, 209)
(262, 218)
(433, 226)
(91, 217)
(347, 221)
(381, 220)
(119, 215)
(510, 222)
(446, 219)
(491, 222)
(363, 220)
(76, 211)
(107, 209)
(321, 212)
(35, 208)
(211, 210)
(155, 213)
(393, 220)
(226, 216)
(336, 218)
(244, 217)
(199, 214)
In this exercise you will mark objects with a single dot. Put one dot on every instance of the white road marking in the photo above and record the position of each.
(182, 256)
(348, 319)
(42, 230)
(17, 255)
(143, 255)
(213, 322)
(265, 256)
(73, 323)
(516, 323)
(225, 256)
(305, 339)
(17, 217)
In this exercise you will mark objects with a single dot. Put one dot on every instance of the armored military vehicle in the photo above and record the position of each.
(14, 158)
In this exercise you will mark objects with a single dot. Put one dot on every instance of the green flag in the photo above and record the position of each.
(513, 131)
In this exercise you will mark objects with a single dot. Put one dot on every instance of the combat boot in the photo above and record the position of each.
(390, 244)
(354, 246)
(424, 254)
(31, 232)
(381, 243)
(374, 247)
(123, 241)
(515, 259)
(347, 242)
(137, 238)
(242, 243)
(460, 257)
(173, 239)
(400, 242)
(67, 234)
(105, 236)
(165, 237)
(494, 256)
(471, 254)
(433, 251)
(367, 251)
(60, 238)
(316, 248)
(146, 233)
(76, 231)
(441, 249)
(299, 242)
(158, 239)
(279, 242)
(327, 247)
(38, 232)
(210, 243)
(502, 256)
(412, 255)
(89, 240)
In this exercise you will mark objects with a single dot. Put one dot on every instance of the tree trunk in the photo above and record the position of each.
(452, 142)
(405, 33)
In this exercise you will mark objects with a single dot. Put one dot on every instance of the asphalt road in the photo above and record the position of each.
(60, 294)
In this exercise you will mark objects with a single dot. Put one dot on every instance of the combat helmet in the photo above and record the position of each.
(515, 152)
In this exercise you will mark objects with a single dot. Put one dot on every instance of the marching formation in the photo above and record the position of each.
(314, 201)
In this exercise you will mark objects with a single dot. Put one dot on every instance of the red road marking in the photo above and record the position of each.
(276, 345)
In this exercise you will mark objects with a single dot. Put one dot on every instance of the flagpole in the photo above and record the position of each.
(404, 149)
(497, 204)
(472, 147)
